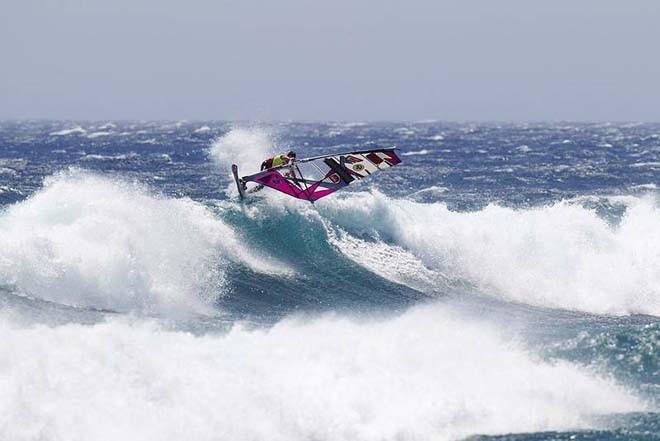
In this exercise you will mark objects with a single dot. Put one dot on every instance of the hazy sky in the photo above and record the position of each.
(339, 60)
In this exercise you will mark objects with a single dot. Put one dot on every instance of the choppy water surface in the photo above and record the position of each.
(502, 283)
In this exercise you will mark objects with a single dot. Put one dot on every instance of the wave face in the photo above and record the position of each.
(504, 282)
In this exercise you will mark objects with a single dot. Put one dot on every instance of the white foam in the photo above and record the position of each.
(73, 131)
(562, 256)
(416, 152)
(645, 187)
(92, 241)
(405, 131)
(652, 164)
(430, 192)
(390, 262)
(203, 129)
(99, 134)
(118, 157)
(425, 375)
(353, 124)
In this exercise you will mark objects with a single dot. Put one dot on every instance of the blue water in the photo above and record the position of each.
(503, 282)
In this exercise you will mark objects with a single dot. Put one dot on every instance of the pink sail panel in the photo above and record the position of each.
(275, 180)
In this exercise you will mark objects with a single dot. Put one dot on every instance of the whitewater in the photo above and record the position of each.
(503, 282)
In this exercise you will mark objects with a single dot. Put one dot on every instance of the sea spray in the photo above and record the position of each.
(242, 146)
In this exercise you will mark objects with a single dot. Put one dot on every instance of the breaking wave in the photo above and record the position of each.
(87, 240)
(560, 256)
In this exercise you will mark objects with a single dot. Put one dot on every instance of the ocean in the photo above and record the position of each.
(502, 283)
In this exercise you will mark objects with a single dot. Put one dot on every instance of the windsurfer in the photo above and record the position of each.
(278, 160)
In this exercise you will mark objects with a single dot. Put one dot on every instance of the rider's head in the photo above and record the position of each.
(291, 154)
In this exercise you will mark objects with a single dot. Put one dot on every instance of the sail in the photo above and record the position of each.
(313, 178)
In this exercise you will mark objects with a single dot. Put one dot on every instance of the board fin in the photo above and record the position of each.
(240, 185)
